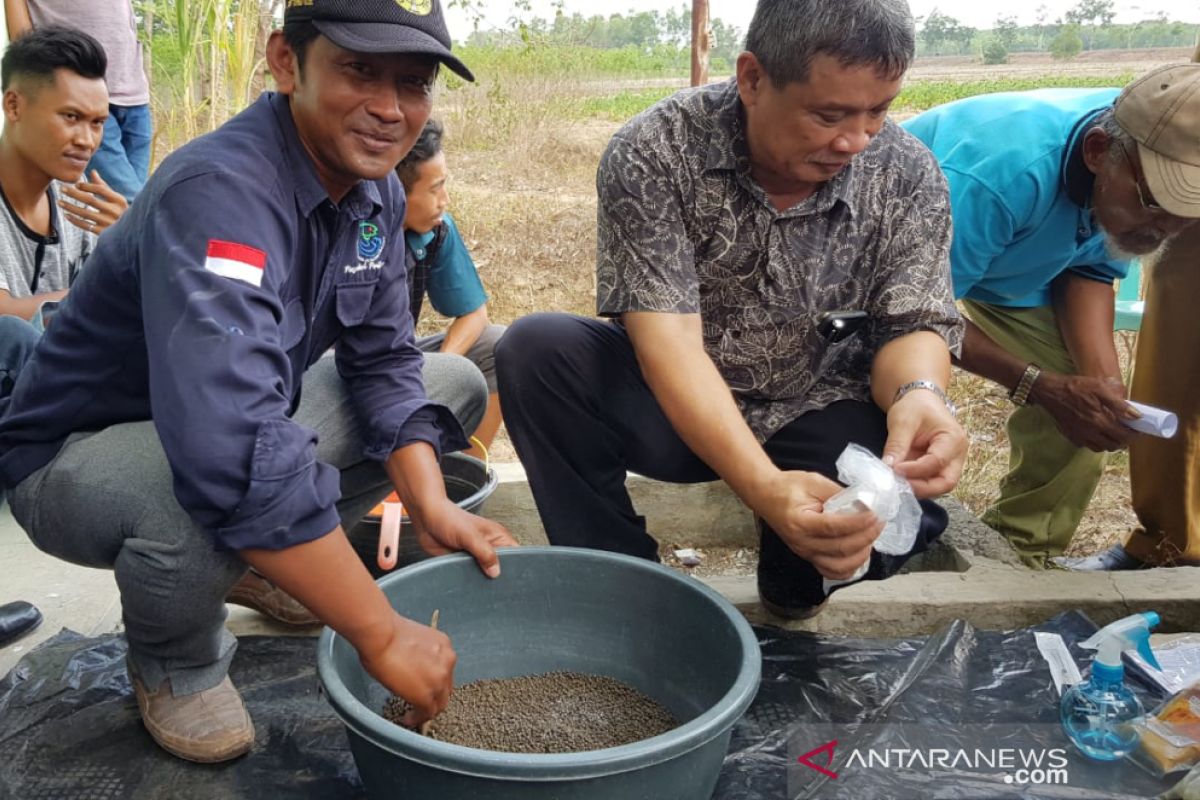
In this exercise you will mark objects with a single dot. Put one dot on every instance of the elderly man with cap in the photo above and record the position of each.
(1052, 192)
(1165, 473)
(159, 430)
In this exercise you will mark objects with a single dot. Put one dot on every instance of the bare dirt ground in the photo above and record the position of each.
(968, 68)
(528, 214)
(1032, 65)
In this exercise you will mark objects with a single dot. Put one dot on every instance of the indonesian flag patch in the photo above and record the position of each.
(238, 261)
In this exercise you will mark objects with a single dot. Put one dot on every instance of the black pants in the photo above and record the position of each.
(580, 415)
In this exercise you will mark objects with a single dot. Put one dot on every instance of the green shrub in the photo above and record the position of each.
(994, 51)
(1066, 45)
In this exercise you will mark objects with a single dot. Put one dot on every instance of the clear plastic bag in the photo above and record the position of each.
(876, 486)
(1170, 736)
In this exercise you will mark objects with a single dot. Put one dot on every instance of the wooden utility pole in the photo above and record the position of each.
(701, 39)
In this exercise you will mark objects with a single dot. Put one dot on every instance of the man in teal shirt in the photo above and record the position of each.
(1049, 196)
(440, 269)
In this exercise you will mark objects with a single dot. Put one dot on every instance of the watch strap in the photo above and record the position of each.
(929, 385)
(1020, 393)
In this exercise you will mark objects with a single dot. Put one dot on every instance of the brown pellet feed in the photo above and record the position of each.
(558, 712)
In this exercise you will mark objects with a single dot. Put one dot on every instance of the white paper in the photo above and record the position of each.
(1154, 421)
(1062, 667)
(851, 500)
(827, 584)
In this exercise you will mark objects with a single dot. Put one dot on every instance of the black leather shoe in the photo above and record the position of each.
(788, 586)
(17, 619)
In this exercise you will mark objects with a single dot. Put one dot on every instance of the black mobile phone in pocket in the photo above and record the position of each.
(837, 326)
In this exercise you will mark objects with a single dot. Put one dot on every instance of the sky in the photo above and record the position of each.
(738, 12)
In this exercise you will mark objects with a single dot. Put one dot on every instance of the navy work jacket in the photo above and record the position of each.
(230, 274)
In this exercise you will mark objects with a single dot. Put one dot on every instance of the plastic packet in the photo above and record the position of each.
(1186, 789)
(1170, 736)
(876, 486)
(1179, 660)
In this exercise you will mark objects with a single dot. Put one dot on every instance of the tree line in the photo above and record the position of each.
(1086, 26)
(648, 32)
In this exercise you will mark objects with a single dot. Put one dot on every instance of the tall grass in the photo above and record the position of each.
(204, 56)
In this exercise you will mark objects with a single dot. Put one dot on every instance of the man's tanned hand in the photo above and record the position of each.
(926, 445)
(1088, 411)
(102, 205)
(792, 505)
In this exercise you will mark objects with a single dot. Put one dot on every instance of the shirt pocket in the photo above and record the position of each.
(353, 302)
(780, 358)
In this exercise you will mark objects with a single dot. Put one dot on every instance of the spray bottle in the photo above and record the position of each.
(1097, 714)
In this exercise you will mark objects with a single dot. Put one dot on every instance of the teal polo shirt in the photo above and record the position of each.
(1020, 194)
(451, 281)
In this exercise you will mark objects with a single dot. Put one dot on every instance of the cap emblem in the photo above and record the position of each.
(418, 7)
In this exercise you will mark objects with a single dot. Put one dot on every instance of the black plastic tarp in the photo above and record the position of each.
(953, 715)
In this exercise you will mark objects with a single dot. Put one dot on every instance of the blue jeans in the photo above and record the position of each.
(123, 157)
(17, 340)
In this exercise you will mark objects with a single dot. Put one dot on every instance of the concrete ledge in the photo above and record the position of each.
(710, 515)
(971, 573)
(990, 596)
(695, 515)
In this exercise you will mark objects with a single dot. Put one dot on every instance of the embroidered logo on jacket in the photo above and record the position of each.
(370, 241)
(370, 247)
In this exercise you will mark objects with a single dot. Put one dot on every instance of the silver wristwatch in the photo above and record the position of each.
(931, 386)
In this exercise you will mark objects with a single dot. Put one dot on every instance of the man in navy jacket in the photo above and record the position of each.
(159, 429)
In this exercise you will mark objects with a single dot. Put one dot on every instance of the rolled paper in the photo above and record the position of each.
(851, 500)
(827, 585)
(1154, 421)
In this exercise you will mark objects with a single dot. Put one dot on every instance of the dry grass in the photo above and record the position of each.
(983, 411)
(529, 219)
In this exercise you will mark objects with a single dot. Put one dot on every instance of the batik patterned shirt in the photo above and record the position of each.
(684, 228)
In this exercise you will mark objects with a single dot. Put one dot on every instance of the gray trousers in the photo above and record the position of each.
(481, 354)
(106, 501)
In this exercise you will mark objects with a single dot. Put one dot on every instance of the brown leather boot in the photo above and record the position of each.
(206, 727)
(255, 591)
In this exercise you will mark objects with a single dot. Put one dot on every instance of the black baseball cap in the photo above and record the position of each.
(381, 26)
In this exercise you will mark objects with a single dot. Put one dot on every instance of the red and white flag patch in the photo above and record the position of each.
(238, 261)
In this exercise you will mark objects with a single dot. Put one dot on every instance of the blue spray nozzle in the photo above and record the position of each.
(1143, 641)
(1132, 632)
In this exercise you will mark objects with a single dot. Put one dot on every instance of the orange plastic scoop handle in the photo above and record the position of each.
(389, 535)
